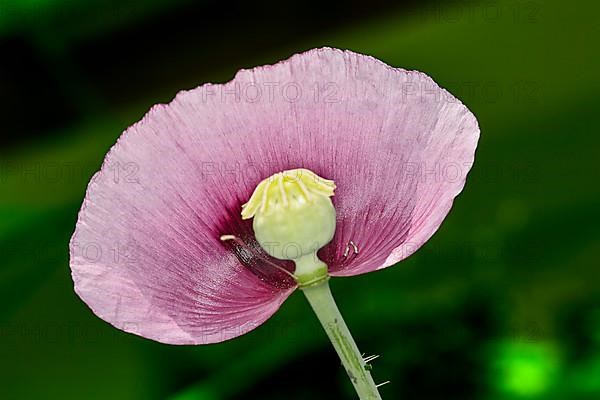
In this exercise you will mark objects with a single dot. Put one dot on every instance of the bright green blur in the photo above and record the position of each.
(526, 370)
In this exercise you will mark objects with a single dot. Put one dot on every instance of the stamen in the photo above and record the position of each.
(243, 245)
(347, 250)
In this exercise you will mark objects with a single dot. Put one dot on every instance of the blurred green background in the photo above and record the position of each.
(503, 302)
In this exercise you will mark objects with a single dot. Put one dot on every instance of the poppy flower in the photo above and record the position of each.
(161, 248)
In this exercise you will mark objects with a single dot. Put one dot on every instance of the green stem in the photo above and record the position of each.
(322, 302)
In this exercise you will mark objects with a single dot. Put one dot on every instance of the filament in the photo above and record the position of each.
(243, 245)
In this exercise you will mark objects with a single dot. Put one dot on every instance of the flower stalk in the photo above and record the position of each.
(321, 300)
(294, 207)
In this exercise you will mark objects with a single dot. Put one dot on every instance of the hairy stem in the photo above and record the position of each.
(322, 302)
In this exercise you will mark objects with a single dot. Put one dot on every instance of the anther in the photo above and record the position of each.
(347, 250)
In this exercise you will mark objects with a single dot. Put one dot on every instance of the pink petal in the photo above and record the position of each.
(146, 255)
(345, 116)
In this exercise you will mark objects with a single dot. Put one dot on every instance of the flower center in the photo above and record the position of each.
(294, 218)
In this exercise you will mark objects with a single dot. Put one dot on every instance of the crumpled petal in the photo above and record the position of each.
(397, 146)
(146, 254)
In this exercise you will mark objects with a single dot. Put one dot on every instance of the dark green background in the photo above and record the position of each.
(503, 302)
